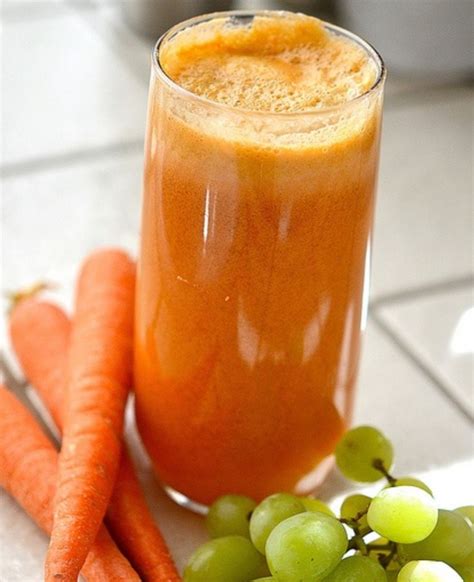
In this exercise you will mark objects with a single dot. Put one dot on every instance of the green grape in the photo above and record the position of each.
(466, 572)
(466, 568)
(451, 541)
(354, 505)
(403, 514)
(227, 559)
(469, 559)
(230, 515)
(313, 504)
(392, 575)
(412, 482)
(266, 579)
(357, 569)
(305, 547)
(467, 511)
(357, 451)
(269, 513)
(425, 571)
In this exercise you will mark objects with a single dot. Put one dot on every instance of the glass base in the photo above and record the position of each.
(185, 502)
(309, 485)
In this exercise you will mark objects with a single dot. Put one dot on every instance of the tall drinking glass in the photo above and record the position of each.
(252, 280)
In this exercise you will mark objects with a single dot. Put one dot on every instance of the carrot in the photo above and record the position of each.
(43, 356)
(28, 468)
(134, 529)
(99, 374)
(40, 333)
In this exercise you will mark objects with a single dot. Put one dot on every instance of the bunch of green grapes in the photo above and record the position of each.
(286, 538)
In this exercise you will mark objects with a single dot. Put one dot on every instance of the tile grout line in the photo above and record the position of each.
(26, 167)
(417, 97)
(422, 291)
(420, 365)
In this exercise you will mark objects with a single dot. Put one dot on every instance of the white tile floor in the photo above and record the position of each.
(65, 90)
(438, 329)
(75, 86)
(424, 215)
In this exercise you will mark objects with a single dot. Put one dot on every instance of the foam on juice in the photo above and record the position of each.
(272, 64)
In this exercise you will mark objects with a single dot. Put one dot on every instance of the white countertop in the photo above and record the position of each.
(74, 101)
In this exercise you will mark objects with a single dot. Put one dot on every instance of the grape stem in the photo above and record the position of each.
(384, 561)
(378, 547)
(379, 465)
(357, 541)
(361, 514)
(353, 522)
(398, 558)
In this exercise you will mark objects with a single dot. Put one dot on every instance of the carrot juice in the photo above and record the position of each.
(261, 164)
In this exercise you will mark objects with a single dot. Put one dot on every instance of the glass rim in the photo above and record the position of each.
(186, 93)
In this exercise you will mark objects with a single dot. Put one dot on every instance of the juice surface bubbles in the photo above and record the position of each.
(262, 154)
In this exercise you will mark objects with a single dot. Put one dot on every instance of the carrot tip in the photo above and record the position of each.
(15, 297)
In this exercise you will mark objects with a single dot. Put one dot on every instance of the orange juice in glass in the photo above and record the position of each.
(261, 166)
